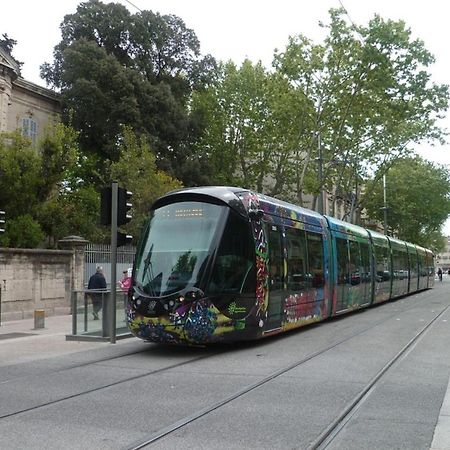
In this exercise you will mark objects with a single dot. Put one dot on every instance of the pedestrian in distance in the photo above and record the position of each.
(97, 283)
(440, 274)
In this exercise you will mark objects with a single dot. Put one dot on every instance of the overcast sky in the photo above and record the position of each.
(236, 29)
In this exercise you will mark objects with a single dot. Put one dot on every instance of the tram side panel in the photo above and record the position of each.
(413, 262)
(298, 274)
(400, 267)
(382, 267)
(430, 264)
(423, 268)
(352, 263)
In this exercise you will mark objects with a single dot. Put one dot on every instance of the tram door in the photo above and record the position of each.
(276, 278)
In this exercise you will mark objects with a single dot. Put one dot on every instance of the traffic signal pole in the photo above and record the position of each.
(113, 302)
(115, 206)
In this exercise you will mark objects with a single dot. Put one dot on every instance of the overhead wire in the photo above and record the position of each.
(133, 5)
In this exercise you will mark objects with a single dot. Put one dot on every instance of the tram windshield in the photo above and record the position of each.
(176, 246)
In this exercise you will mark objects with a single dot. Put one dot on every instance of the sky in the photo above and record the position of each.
(239, 29)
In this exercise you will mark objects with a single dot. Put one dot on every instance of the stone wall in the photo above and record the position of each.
(40, 279)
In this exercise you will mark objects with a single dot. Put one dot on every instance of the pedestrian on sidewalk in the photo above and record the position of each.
(125, 283)
(97, 282)
(440, 274)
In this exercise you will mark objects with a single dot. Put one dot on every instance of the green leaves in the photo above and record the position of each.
(117, 69)
(418, 200)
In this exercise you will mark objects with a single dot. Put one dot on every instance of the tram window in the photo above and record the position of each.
(342, 260)
(234, 268)
(315, 258)
(399, 264)
(355, 263)
(275, 259)
(296, 249)
(413, 264)
(365, 263)
(382, 258)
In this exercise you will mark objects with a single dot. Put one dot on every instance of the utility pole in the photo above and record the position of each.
(115, 206)
(385, 207)
(320, 174)
(112, 312)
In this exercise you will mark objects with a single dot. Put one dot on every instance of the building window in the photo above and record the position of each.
(29, 129)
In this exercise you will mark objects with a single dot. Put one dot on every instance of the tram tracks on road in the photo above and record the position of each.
(334, 428)
(103, 386)
(196, 415)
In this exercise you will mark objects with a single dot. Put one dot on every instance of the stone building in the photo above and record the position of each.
(24, 105)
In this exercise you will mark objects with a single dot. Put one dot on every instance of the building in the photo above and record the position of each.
(443, 259)
(24, 105)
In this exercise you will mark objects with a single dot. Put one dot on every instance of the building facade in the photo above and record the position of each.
(24, 105)
(443, 259)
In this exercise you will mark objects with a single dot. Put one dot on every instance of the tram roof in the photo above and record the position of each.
(345, 227)
(240, 199)
(219, 194)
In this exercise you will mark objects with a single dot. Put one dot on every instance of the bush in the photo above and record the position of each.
(23, 232)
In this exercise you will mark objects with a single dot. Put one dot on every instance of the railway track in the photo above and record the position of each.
(335, 427)
(325, 437)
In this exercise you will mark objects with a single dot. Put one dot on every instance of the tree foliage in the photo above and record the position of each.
(372, 94)
(136, 170)
(253, 128)
(43, 198)
(364, 97)
(418, 200)
(115, 68)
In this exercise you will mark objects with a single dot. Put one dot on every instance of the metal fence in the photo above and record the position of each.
(100, 255)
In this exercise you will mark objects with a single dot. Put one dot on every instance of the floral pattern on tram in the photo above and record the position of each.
(193, 323)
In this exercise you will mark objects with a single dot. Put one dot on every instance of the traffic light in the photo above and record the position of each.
(2, 221)
(124, 206)
(123, 210)
(123, 239)
(105, 206)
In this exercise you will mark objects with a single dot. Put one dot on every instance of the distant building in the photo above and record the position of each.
(24, 105)
(443, 259)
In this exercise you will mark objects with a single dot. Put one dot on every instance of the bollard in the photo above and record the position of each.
(39, 318)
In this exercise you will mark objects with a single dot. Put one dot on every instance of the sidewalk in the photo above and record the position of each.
(441, 439)
(21, 342)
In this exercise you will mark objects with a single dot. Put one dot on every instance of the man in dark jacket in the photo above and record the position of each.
(97, 282)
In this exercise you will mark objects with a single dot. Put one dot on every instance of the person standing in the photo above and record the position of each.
(125, 282)
(97, 282)
(439, 274)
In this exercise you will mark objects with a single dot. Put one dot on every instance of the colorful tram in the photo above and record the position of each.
(223, 264)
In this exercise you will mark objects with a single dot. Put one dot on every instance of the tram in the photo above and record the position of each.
(225, 264)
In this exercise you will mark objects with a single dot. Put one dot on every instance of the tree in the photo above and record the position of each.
(114, 68)
(253, 127)
(39, 191)
(372, 98)
(136, 170)
(418, 200)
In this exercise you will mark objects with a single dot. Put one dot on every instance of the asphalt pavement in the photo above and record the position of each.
(21, 342)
